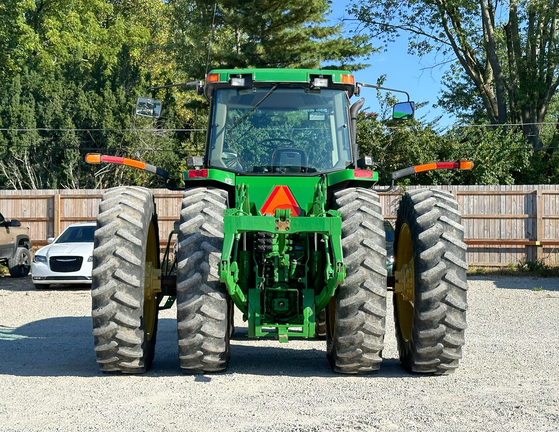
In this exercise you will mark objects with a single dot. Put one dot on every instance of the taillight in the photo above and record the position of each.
(200, 173)
(362, 174)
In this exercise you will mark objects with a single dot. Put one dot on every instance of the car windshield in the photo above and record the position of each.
(280, 130)
(77, 234)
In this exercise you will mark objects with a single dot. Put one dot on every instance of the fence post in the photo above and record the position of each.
(539, 224)
(56, 216)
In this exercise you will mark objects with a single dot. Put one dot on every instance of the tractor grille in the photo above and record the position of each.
(66, 264)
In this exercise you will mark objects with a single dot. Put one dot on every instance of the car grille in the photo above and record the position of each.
(66, 264)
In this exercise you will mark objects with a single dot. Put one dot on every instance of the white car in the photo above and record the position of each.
(68, 259)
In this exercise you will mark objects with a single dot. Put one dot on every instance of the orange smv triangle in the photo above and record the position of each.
(280, 198)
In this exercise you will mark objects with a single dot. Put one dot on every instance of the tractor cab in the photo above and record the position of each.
(298, 124)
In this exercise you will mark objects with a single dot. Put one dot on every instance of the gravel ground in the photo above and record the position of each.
(507, 381)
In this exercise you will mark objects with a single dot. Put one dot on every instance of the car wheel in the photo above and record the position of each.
(20, 264)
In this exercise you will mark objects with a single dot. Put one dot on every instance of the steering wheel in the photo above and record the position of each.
(282, 142)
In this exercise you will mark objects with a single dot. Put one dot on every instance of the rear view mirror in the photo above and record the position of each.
(148, 107)
(403, 111)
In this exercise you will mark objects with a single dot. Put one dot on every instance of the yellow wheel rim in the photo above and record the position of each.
(404, 289)
(152, 284)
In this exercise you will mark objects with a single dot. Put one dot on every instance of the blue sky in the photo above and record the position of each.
(403, 71)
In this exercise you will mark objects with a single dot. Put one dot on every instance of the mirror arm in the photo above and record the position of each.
(190, 83)
(359, 85)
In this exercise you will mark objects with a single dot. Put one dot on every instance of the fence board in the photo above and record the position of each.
(502, 224)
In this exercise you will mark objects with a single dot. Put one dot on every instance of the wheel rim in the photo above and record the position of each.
(405, 283)
(152, 285)
(24, 260)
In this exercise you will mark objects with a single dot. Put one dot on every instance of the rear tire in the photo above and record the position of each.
(124, 303)
(356, 317)
(431, 317)
(20, 263)
(203, 305)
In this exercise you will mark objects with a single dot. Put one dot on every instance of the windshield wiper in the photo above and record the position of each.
(242, 119)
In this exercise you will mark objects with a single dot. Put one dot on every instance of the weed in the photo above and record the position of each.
(532, 266)
(524, 268)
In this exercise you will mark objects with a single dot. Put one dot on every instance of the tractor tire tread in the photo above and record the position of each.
(357, 341)
(117, 286)
(440, 282)
(202, 303)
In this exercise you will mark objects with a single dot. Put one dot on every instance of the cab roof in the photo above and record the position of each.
(220, 78)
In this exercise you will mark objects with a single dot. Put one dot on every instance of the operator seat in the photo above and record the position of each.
(289, 160)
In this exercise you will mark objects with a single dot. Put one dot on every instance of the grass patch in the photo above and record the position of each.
(524, 268)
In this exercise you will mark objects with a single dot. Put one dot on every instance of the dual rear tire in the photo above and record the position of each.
(430, 297)
(125, 282)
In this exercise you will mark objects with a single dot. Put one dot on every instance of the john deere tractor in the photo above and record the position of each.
(280, 220)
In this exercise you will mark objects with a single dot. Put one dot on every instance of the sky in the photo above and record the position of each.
(403, 71)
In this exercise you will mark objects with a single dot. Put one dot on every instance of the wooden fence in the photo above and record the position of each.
(503, 224)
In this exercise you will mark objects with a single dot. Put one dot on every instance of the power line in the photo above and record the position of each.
(152, 149)
(97, 130)
(152, 130)
(474, 126)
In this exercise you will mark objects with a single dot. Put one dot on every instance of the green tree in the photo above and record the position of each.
(71, 71)
(17, 39)
(75, 94)
(507, 51)
(267, 33)
(500, 156)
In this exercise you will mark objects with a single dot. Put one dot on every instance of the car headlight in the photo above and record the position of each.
(90, 259)
(39, 259)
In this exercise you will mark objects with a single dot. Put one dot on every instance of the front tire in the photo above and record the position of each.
(430, 270)
(124, 282)
(203, 305)
(356, 317)
(20, 263)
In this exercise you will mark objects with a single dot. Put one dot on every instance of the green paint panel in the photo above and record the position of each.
(281, 75)
(209, 174)
(260, 188)
(346, 175)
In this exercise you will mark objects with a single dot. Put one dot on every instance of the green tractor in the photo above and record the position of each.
(281, 220)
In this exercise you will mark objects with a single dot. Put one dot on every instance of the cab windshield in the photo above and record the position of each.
(280, 130)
